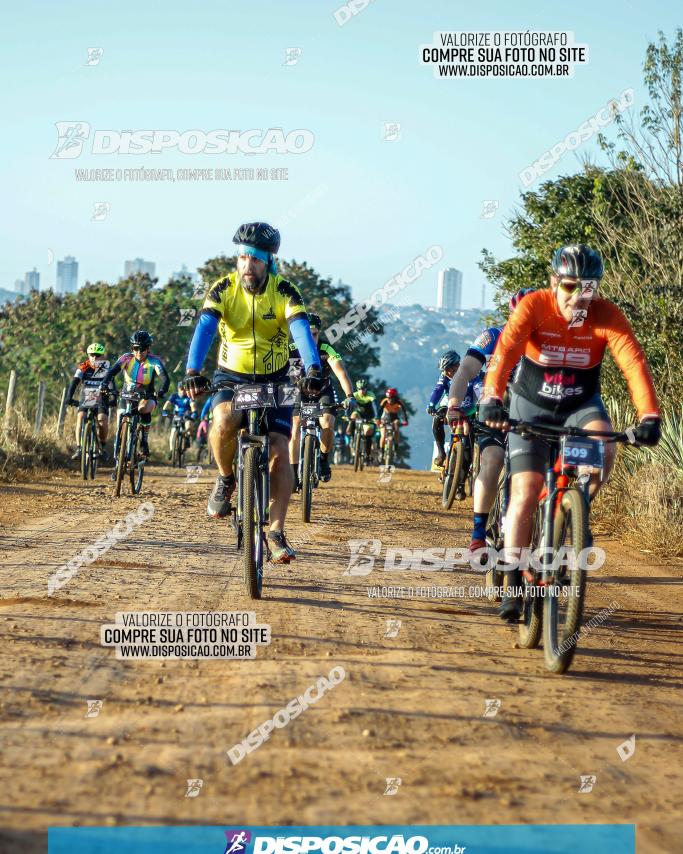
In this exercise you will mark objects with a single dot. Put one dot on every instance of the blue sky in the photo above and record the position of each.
(356, 206)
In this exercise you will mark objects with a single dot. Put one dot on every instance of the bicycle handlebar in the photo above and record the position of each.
(556, 430)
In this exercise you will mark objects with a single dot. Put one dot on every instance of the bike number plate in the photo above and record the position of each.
(584, 453)
(90, 396)
(255, 396)
(310, 410)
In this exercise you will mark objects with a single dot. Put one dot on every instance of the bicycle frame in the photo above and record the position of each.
(309, 427)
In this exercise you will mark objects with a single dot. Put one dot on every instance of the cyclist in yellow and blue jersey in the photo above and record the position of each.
(140, 370)
(254, 310)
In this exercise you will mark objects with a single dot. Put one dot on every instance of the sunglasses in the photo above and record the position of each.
(586, 286)
(139, 349)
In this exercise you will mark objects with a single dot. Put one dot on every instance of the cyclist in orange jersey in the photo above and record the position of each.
(560, 334)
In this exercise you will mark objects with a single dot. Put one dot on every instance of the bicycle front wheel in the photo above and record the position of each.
(494, 540)
(563, 605)
(358, 453)
(137, 466)
(474, 472)
(531, 625)
(252, 523)
(94, 451)
(122, 445)
(452, 477)
(86, 442)
(307, 478)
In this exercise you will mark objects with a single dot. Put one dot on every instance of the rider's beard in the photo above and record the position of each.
(254, 285)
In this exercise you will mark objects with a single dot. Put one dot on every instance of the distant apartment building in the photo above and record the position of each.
(31, 282)
(19, 286)
(449, 293)
(139, 265)
(184, 273)
(67, 276)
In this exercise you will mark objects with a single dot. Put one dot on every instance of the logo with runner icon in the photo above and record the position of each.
(238, 841)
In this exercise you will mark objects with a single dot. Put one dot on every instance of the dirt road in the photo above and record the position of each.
(411, 706)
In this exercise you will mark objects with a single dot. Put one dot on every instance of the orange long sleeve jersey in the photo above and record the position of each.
(560, 367)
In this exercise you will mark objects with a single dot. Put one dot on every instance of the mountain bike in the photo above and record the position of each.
(250, 516)
(456, 466)
(181, 441)
(126, 455)
(389, 451)
(360, 459)
(309, 453)
(91, 447)
(554, 601)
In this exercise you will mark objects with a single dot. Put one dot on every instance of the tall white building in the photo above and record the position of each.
(139, 265)
(449, 294)
(67, 275)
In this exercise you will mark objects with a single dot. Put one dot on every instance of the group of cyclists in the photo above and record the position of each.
(542, 366)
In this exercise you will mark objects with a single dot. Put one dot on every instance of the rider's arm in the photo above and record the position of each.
(301, 333)
(161, 371)
(470, 366)
(404, 411)
(203, 336)
(206, 409)
(631, 361)
(511, 344)
(168, 404)
(73, 385)
(375, 411)
(337, 364)
(114, 370)
(439, 390)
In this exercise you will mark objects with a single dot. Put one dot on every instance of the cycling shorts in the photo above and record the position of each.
(532, 454)
(495, 438)
(278, 418)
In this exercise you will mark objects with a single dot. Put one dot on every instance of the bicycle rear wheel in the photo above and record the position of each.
(307, 478)
(562, 613)
(452, 476)
(252, 523)
(122, 445)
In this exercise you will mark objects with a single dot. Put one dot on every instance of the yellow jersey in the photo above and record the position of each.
(254, 328)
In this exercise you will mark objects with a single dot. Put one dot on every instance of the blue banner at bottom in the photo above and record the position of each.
(382, 839)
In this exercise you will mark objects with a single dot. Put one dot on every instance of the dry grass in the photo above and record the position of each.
(644, 508)
(642, 503)
(22, 449)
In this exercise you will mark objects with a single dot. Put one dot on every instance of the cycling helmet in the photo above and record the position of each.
(142, 339)
(579, 261)
(391, 392)
(315, 321)
(95, 349)
(449, 359)
(260, 235)
(515, 299)
(361, 384)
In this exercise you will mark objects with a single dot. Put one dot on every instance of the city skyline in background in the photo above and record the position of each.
(448, 294)
(400, 160)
